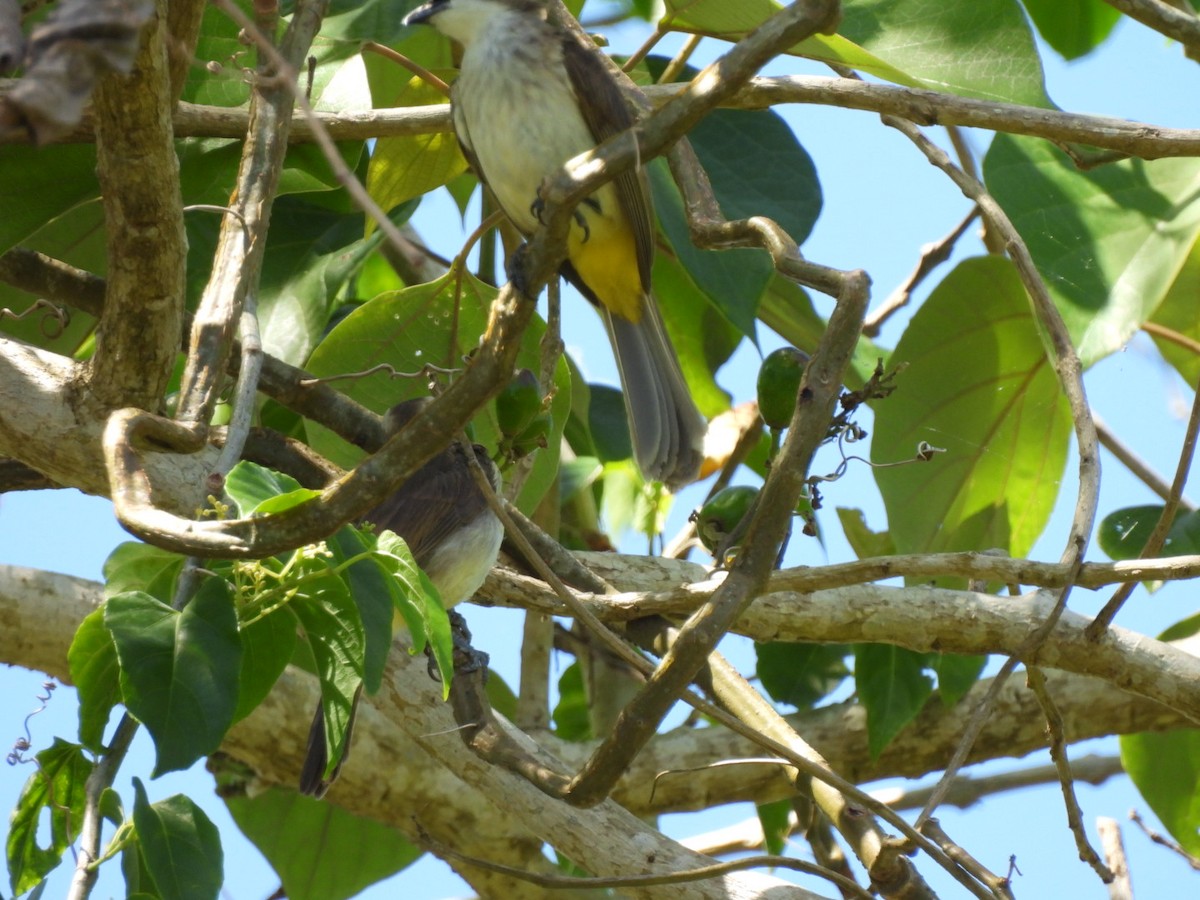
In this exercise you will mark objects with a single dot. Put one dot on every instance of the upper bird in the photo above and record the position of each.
(528, 98)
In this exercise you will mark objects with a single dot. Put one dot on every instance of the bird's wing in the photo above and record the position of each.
(606, 113)
(439, 499)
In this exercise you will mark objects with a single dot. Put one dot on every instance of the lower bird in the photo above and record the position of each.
(454, 537)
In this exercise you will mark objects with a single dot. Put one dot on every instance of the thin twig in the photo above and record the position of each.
(1058, 753)
(101, 778)
(1158, 537)
(1163, 840)
(932, 256)
(1069, 371)
(1121, 887)
(1134, 463)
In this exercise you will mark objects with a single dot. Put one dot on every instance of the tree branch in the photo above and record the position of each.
(924, 107)
(143, 212)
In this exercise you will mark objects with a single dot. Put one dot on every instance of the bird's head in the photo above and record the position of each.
(464, 20)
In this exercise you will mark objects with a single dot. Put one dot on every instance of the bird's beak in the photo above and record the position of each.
(424, 12)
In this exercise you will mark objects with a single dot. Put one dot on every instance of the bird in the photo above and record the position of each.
(447, 523)
(528, 98)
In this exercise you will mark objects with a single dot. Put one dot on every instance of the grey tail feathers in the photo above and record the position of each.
(667, 429)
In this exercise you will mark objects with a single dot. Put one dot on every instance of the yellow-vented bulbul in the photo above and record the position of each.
(454, 537)
(528, 98)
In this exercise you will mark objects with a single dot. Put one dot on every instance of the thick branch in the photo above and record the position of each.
(61, 439)
(139, 181)
(924, 107)
(431, 780)
(40, 611)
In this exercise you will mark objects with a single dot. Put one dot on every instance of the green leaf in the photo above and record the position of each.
(702, 337)
(978, 385)
(49, 180)
(1124, 532)
(430, 324)
(956, 674)
(937, 44)
(179, 670)
(417, 600)
(1072, 27)
(608, 424)
(775, 819)
(267, 646)
(333, 631)
(75, 237)
(404, 168)
(801, 674)
(1109, 241)
(139, 883)
(1165, 768)
(370, 590)
(134, 566)
(571, 719)
(893, 687)
(180, 845)
(733, 280)
(250, 485)
(95, 673)
(318, 850)
(56, 788)
(1180, 313)
(921, 43)
(862, 540)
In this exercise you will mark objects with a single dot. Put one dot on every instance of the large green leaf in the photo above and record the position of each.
(405, 167)
(801, 674)
(334, 634)
(1073, 27)
(250, 486)
(75, 236)
(179, 670)
(96, 675)
(1165, 767)
(1166, 770)
(430, 324)
(733, 280)
(938, 45)
(893, 687)
(370, 590)
(318, 850)
(1109, 242)
(49, 180)
(703, 339)
(743, 152)
(134, 566)
(180, 846)
(267, 645)
(56, 790)
(1123, 533)
(921, 43)
(417, 601)
(314, 248)
(1180, 313)
(978, 385)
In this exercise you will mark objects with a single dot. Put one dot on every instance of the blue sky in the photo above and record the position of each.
(882, 202)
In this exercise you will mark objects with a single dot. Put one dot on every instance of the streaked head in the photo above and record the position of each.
(464, 20)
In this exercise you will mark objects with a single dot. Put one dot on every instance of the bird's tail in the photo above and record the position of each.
(666, 427)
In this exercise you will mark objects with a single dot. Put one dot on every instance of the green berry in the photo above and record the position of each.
(518, 403)
(778, 385)
(720, 515)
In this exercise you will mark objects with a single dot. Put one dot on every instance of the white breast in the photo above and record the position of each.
(515, 110)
